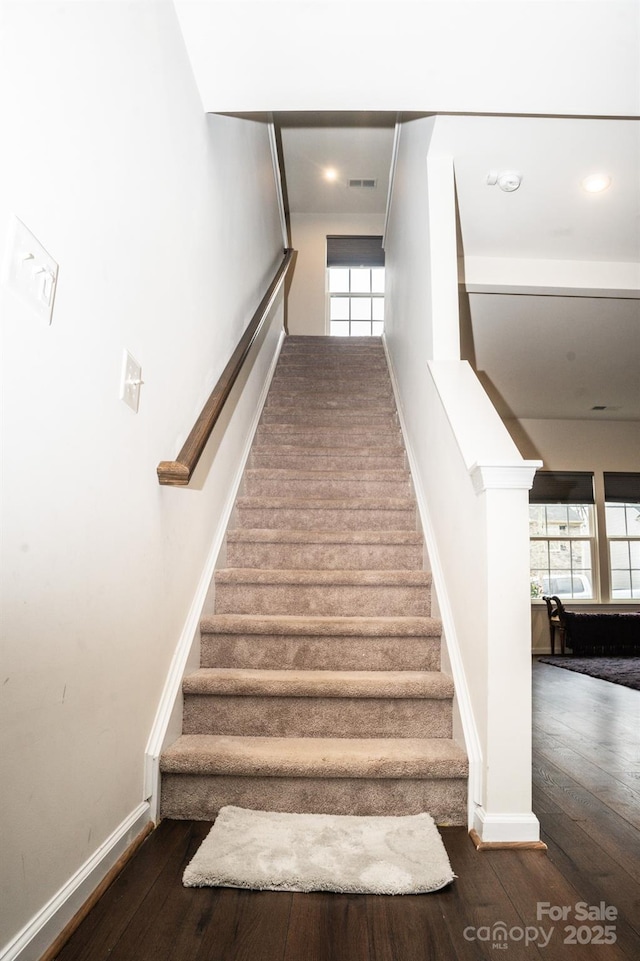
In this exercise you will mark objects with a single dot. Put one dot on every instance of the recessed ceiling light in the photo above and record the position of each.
(330, 173)
(595, 183)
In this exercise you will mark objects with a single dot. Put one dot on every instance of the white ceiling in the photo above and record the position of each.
(550, 216)
(538, 356)
(356, 146)
(543, 88)
(558, 357)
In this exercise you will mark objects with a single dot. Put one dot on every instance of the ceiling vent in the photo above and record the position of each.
(367, 183)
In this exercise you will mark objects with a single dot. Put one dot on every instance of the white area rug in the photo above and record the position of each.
(264, 850)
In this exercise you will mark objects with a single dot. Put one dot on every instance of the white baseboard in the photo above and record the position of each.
(506, 828)
(34, 939)
(172, 692)
(463, 698)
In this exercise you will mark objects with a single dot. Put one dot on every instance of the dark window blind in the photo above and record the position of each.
(351, 251)
(562, 487)
(621, 488)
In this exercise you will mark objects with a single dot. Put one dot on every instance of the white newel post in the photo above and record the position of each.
(505, 814)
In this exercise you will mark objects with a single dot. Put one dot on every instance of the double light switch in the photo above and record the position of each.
(30, 272)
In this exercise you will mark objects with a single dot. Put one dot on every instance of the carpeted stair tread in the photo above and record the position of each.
(323, 457)
(391, 433)
(300, 384)
(282, 536)
(333, 503)
(243, 575)
(327, 400)
(275, 482)
(321, 626)
(324, 683)
(325, 513)
(341, 436)
(348, 353)
(391, 475)
(324, 549)
(348, 454)
(333, 370)
(384, 416)
(329, 343)
(315, 757)
(245, 590)
(307, 651)
(377, 393)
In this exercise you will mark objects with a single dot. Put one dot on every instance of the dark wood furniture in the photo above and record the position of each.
(554, 606)
(591, 633)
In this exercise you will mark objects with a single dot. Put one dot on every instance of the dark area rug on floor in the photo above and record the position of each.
(618, 670)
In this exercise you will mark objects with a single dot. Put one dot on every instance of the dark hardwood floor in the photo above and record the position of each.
(587, 796)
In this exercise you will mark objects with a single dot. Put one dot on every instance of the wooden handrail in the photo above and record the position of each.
(178, 472)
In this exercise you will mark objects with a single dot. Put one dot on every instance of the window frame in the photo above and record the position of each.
(351, 296)
(621, 491)
(566, 489)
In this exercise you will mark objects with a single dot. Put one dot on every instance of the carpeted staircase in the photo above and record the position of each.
(320, 687)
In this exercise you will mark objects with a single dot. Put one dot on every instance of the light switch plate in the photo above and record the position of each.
(130, 381)
(30, 271)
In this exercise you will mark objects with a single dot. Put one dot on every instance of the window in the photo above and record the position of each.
(355, 271)
(561, 530)
(622, 514)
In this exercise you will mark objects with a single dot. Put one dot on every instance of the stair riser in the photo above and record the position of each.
(352, 436)
(200, 797)
(256, 486)
(331, 400)
(320, 600)
(359, 358)
(330, 418)
(354, 346)
(342, 388)
(330, 408)
(319, 374)
(333, 459)
(311, 373)
(304, 341)
(252, 716)
(322, 519)
(329, 653)
(336, 557)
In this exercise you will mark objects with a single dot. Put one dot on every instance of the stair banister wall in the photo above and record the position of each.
(471, 484)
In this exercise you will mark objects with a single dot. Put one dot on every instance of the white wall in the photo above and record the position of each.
(307, 295)
(463, 57)
(165, 226)
(471, 484)
(408, 263)
(588, 445)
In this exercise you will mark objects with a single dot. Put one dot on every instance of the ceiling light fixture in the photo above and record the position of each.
(330, 173)
(596, 183)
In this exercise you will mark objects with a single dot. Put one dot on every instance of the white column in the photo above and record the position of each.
(505, 814)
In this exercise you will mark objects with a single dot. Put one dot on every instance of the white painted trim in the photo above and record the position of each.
(616, 293)
(506, 827)
(172, 691)
(392, 174)
(277, 175)
(467, 719)
(42, 930)
(503, 476)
